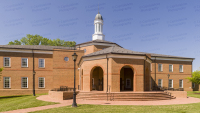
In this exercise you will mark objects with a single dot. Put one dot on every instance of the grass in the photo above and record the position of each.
(8, 103)
(182, 108)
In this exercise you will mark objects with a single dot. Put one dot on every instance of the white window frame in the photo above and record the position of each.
(172, 67)
(22, 63)
(127, 82)
(161, 67)
(161, 82)
(21, 82)
(179, 68)
(39, 62)
(4, 82)
(172, 83)
(39, 82)
(4, 61)
(182, 83)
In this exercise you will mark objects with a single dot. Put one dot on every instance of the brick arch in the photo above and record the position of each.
(131, 66)
(94, 66)
(91, 72)
(134, 73)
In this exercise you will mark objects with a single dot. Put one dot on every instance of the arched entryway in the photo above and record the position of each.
(126, 78)
(96, 79)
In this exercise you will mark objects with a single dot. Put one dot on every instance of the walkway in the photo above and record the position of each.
(99, 102)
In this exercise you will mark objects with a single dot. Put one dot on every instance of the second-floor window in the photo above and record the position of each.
(170, 68)
(24, 62)
(180, 68)
(160, 68)
(41, 63)
(6, 61)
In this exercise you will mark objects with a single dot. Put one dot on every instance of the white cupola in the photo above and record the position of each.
(98, 28)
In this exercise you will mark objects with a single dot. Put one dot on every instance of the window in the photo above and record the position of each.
(84, 50)
(170, 83)
(24, 82)
(160, 67)
(170, 68)
(6, 82)
(193, 85)
(24, 62)
(41, 82)
(180, 68)
(41, 63)
(159, 82)
(6, 62)
(181, 83)
(66, 59)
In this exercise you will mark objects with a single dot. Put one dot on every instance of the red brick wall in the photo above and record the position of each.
(175, 75)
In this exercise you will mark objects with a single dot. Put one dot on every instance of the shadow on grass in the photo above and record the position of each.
(3, 97)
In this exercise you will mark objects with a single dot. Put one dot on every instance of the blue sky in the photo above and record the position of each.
(164, 27)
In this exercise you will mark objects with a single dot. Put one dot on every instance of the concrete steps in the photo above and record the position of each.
(124, 96)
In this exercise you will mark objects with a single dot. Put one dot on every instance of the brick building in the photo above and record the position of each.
(101, 65)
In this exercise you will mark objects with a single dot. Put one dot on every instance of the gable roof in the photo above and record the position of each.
(93, 42)
(35, 47)
(119, 50)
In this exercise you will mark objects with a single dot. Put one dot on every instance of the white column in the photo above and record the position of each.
(100, 27)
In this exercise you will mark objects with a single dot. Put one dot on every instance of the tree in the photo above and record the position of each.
(16, 42)
(1, 69)
(195, 77)
(39, 40)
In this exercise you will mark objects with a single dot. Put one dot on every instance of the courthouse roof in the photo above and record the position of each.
(35, 47)
(97, 41)
(119, 50)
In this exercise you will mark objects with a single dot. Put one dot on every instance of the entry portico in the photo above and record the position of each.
(122, 70)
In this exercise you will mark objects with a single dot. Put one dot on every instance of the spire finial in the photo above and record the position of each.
(98, 8)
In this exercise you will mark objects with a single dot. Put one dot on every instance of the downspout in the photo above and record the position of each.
(155, 75)
(107, 72)
(33, 75)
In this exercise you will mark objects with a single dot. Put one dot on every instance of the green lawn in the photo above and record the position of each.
(8, 103)
(184, 108)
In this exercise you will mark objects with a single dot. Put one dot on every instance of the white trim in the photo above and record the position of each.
(161, 67)
(182, 83)
(4, 62)
(92, 43)
(27, 62)
(182, 68)
(21, 82)
(39, 63)
(148, 60)
(172, 67)
(4, 82)
(176, 59)
(161, 82)
(172, 83)
(39, 82)
(28, 51)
